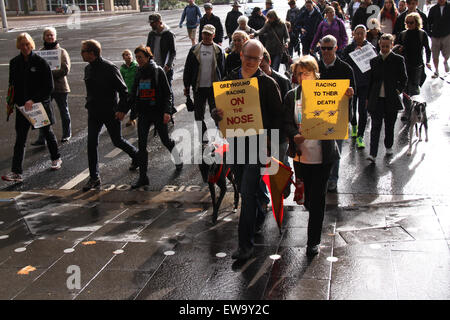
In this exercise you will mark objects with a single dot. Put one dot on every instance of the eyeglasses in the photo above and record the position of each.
(327, 48)
(255, 59)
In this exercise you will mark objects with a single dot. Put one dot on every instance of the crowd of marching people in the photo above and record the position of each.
(312, 43)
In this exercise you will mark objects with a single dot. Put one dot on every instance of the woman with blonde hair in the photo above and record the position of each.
(30, 78)
(233, 60)
(410, 43)
(313, 159)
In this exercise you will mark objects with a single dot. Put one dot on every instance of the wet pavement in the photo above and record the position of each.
(386, 233)
(163, 246)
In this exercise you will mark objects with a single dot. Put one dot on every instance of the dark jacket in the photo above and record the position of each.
(330, 152)
(361, 79)
(158, 101)
(103, 82)
(192, 66)
(270, 102)
(340, 70)
(283, 83)
(276, 36)
(232, 62)
(360, 17)
(167, 44)
(393, 72)
(400, 22)
(438, 25)
(308, 22)
(32, 80)
(215, 21)
(231, 23)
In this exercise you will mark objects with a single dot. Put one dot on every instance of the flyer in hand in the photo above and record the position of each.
(36, 116)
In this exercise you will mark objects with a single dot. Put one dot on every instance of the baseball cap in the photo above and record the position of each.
(207, 6)
(209, 28)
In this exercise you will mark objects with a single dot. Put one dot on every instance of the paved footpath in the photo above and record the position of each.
(162, 246)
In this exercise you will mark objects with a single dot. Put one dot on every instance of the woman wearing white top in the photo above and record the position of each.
(313, 159)
(388, 16)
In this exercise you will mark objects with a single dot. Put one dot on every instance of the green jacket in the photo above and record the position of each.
(128, 74)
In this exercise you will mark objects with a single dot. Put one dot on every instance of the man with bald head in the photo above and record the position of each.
(248, 174)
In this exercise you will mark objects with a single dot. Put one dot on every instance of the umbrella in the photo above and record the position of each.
(277, 183)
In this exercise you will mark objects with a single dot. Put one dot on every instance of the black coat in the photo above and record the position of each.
(32, 80)
(308, 22)
(439, 26)
(361, 79)
(103, 82)
(167, 44)
(232, 62)
(159, 83)
(231, 23)
(215, 21)
(393, 72)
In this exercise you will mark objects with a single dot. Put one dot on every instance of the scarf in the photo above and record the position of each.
(50, 46)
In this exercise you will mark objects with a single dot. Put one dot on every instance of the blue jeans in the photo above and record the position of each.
(63, 106)
(248, 177)
(276, 61)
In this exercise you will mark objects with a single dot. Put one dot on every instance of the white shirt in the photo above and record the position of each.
(311, 149)
(157, 51)
(206, 66)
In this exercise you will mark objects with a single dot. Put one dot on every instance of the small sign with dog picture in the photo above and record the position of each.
(239, 100)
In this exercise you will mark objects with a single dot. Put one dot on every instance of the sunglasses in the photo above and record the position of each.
(327, 48)
(410, 22)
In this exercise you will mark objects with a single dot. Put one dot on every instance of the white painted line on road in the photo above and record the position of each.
(83, 175)
(116, 151)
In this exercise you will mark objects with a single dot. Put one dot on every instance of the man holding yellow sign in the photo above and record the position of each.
(251, 102)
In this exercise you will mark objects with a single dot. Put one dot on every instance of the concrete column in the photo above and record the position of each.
(134, 4)
(41, 5)
(109, 5)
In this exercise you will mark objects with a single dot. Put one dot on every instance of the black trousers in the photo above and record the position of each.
(144, 123)
(201, 96)
(386, 113)
(22, 127)
(95, 124)
(315, 177)
(359, 106)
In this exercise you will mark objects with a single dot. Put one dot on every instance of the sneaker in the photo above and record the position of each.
(38, 143)
(371, 158)
(354, 131)
(389, 151)
(13, 177)
(92, 183)
(311, 251)
(140, 183)
(65, 139)
(360, 142)
(332, 186)
(56, 164)
(435, 75)
(242, 254)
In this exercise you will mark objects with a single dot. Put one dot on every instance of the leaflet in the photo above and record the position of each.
(37, 116)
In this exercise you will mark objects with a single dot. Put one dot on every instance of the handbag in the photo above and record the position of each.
(285, 56)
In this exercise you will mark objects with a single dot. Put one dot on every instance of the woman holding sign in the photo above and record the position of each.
(31, 79)
(314, 158)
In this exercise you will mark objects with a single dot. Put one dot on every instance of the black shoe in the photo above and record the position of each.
(38, 143)
(92, 183)
(179, 166)
(140, 183)
(242, 254)
(134, 165)
(311, 251)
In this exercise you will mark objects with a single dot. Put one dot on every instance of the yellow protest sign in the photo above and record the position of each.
(239, 100)
(325, 109)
